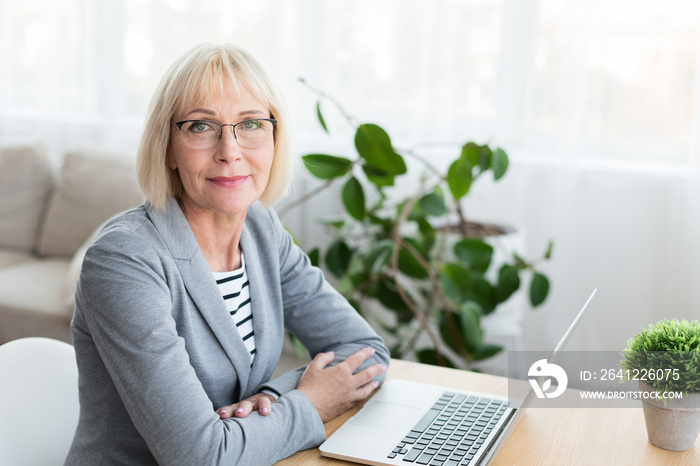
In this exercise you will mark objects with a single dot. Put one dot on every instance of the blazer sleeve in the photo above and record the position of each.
(124, 300)
(315, 313)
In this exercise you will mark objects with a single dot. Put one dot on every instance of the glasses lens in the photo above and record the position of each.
(201, 134)
(254, 133)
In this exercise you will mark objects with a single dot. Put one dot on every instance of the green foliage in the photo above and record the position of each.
(539, 288)
(319, 115)
(474, 252)
(325, 166)
(670, 350)
(354, 198)
(394, 251)
(459, 178)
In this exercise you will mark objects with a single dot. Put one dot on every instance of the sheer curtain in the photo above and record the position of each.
(596, 102)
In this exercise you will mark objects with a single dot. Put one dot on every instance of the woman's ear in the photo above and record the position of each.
(170, 159)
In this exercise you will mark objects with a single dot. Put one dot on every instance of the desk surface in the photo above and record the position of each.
(571, 436)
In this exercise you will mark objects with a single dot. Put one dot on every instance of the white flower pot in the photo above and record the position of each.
(674, 426)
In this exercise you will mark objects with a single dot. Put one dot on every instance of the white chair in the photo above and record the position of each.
(38, 401)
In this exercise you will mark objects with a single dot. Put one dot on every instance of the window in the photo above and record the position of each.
(567, 80)
(615, 77)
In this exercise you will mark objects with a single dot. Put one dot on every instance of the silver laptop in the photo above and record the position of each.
(408, 422)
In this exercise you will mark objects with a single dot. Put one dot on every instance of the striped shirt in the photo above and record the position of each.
(235, 290)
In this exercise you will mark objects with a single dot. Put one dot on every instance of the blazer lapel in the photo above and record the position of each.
(258, 301)
(199, 282)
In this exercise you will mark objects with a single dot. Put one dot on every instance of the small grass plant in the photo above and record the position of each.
(666, 355)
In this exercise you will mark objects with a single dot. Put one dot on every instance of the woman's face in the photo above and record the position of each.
(227, 178)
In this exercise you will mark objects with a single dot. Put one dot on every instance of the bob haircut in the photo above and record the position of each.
(195, 78)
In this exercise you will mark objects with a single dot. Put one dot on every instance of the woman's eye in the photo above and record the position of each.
(251, 124)
(200, 127)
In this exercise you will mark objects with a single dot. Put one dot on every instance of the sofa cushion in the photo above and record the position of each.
(10, 257)
(35, 286)
(26, 180)
(93, 186)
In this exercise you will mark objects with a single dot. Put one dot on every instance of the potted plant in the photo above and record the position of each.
(417, 255)
(665, 359)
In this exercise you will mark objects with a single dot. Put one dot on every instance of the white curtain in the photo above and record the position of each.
(596, 102)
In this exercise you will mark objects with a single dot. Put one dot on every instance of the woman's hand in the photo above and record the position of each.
(334, 390)
(262, 402)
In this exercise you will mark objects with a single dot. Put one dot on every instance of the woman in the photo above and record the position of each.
(182, 302)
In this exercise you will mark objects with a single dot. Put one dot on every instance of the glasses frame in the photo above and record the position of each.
(232, 125)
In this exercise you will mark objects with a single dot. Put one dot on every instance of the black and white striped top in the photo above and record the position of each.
(235, 289)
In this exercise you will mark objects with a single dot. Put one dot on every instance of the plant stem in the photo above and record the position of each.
(446, 304)
(352, 121)
(396, 237)
(422, 160)
(462, 219)
(297, 202)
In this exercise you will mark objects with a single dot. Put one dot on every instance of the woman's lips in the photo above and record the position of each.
(228, 181)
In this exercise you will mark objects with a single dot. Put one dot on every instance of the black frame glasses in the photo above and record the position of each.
(233, 126)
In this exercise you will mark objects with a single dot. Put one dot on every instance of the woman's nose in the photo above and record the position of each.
(228, 148)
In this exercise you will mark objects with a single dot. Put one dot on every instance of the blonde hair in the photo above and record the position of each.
(195, 78)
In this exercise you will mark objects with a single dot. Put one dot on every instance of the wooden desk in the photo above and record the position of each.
(572, 436)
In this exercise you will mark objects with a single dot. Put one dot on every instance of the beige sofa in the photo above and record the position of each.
(47, 215)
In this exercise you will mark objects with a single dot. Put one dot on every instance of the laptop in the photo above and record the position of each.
(408, 422)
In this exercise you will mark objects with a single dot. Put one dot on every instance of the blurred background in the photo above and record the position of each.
(597, 104)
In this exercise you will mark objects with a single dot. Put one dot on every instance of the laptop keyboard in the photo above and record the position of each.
(451, 432)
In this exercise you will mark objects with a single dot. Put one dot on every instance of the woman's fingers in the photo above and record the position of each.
(322, 360)
(264, 405)
(366, 375)
(335, 389)
(355, 360)
(244, 408)
(260, 402)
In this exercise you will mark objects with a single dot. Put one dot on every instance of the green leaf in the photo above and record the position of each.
(456, 281)
(462, 329)
(486, 351)
(378, 256)
(470, 154)
(315, 256)
(485, 157)
(520, 262)
(326, 167)
(429, 236)
(539, 288)
(475, 252)
(548, 252)
(433, 203)
(336, 224)
(320, 117)
(386, 224)
(429, 356)
(379, 177)
(338, 258)
(374, 145)
(500, 164)
(409, 265)
(459, 178)
(472, 333)
(354, 198)
(508, 282)
(387, 294)
(359, 276)
(482, 293)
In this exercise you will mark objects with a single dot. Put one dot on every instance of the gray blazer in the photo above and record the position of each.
(157, 350)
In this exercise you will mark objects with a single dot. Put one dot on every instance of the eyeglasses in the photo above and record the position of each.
(205, 134)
